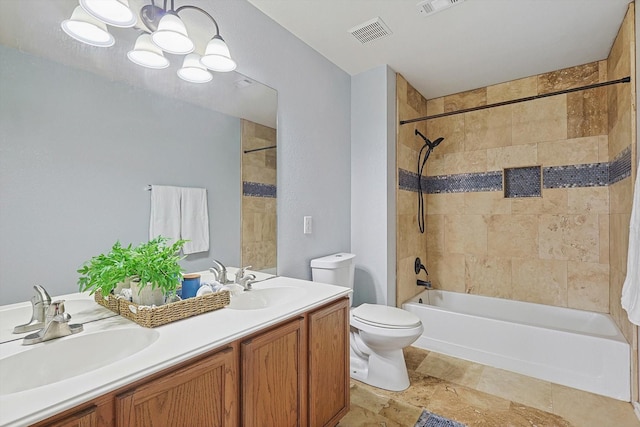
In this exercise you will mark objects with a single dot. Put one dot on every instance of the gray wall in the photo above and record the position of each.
(76, 152)
(314, 128)
(373, 183)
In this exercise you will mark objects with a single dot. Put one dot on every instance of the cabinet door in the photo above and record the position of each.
(86, 418)
(329, 364)
(274, 370)
(202, 394)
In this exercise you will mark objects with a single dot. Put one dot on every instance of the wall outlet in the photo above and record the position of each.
(307, 225)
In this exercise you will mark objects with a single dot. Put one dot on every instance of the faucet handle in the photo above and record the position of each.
(240, 273)
(56, 308)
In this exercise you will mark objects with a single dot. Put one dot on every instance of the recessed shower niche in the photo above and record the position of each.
(523, 182)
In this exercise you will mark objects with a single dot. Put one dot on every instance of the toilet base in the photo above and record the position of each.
(386, 370)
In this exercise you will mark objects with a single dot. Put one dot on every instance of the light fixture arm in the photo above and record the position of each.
(198, 9)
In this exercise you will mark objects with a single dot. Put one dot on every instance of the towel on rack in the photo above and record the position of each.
(165, 212)
(631, 288)
(194, 222)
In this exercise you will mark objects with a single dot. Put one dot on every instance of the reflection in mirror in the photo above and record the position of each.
(84, 131)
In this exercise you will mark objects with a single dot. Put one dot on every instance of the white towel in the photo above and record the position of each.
(631, 288)
(165, 212)
(194, 222)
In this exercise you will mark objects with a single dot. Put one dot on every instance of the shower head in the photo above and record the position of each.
(427, 142)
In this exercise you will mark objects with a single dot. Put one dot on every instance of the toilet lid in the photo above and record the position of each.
(382, 315)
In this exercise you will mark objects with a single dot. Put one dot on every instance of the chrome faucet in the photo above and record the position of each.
(39, 304)
(220, 271)
(245, 281)
(56, 325)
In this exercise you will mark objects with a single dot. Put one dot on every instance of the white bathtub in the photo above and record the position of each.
(579, 349)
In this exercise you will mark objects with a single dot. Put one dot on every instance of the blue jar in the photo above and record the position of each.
(190, 285)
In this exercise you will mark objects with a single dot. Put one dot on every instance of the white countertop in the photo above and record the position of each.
(177, 342)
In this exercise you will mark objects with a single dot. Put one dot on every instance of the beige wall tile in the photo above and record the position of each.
(452, 129)
(435, 233)
(603, 148)
(466, 162)
(486, 202)
(512, 236)
(407, 158)
(588, 286)
(465, 234)
(620, 120)
(569, 152)
(406, 202)
(540, 120)
(445, 203)
(435, 106)
(510, 157)
(553, 200)
(588, 200)
(488, 128)
(435, 165)
(569, 237)
(566, 78)
(619, 241)
(406, 279)
(514, 89)
(446, 271)
(621, 196)
(602, 70)
(587, 113)
(540, 281)
(604, 238)
(489, 276)
(464, 100)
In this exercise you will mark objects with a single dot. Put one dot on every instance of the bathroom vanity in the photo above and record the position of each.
(280, 365)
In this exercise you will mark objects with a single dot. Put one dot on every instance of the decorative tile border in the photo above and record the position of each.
(588, 175)
(522, 182)
(620, 167)
(256, 189)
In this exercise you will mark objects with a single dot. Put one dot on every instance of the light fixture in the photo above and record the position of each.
(171, 35)
(193, 71)
(163, 30)
(85, 28)
(147, 54)
(112, 12)
(216, 56)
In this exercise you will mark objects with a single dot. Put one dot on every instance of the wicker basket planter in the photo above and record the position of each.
(111, 302)
(150, 317)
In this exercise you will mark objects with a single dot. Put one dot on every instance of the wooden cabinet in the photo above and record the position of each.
(85, 418)
(202, 394)
(274, 370)
(295, 374)
(329, 364)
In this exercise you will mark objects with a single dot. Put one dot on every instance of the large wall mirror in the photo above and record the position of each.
(83, 132)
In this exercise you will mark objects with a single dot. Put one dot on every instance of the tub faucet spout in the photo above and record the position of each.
(425, 283)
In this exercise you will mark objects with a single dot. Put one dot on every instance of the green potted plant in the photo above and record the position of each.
(105, 271)
(156, 271)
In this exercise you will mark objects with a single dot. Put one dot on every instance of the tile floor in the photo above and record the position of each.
(478, 395)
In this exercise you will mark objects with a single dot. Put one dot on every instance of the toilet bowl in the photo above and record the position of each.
(378, 332)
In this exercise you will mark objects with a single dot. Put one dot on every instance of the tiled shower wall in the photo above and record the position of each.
(410, 243)
(258, 197)
(622, 139)
(554, 249)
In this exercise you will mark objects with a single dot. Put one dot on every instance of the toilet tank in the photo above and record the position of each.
(336, 269)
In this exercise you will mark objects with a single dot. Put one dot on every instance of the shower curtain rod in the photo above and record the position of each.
(259, 149)
(515, 101)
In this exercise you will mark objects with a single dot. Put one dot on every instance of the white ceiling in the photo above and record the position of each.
(473, 44)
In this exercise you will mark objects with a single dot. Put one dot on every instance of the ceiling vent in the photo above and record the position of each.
(429, 7)
(370, 30)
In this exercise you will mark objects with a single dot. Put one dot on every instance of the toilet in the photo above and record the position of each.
(378, 332)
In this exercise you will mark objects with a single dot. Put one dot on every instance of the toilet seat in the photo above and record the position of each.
(383, 316)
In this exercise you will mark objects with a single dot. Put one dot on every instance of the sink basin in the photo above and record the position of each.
(68, 357)
(81, 311)
(257, 299)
